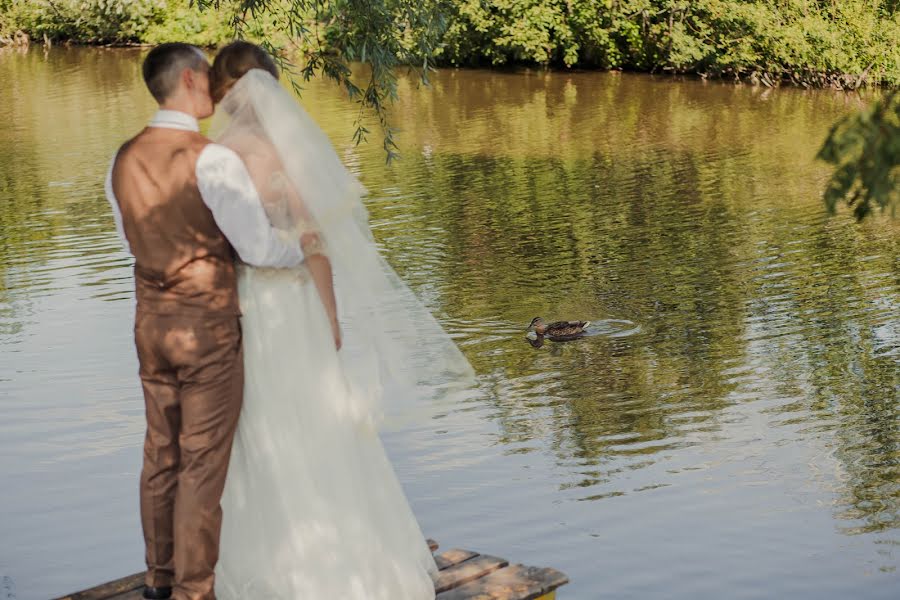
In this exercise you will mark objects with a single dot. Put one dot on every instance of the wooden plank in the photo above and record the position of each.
(512, 583)
(121, 587)
(451, 557)
(467, 571)
(109, 590)
(132, 595)
(463, 575)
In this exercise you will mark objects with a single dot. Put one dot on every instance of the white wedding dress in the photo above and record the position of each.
(312, 508)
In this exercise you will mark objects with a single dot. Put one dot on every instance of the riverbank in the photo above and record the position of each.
(843, 44)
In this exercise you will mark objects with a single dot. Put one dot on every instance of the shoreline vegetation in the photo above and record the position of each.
(838, 44)
(842, 44)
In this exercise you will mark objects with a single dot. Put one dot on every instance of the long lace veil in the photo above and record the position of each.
(397, 357)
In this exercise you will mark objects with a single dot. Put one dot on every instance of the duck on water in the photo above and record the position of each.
(558, 331)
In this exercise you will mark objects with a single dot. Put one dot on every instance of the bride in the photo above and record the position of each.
(312, 507)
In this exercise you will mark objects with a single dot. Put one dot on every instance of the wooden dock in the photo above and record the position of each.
(463, 575)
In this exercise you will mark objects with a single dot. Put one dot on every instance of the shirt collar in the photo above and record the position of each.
(174, 119)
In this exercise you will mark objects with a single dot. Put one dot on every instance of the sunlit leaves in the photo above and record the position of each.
(809, 43)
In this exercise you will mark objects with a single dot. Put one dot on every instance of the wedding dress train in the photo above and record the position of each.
(312, 507)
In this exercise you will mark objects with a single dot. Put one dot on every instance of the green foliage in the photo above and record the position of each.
(9, 18)
(183, 22)
(91, 21)
(865, 150)
(800, 40)
(125, 21)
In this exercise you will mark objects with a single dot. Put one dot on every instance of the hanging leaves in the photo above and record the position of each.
(865, 151)
(326, 36)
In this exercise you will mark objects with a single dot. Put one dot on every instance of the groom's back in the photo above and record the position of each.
(183, 263)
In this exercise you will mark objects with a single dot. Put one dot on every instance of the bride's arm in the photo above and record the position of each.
(320, 268)
(317, 262)
(261, 164)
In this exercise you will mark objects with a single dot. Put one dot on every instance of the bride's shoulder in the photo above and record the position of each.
(248, 144)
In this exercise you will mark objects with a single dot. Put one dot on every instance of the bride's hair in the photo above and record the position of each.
(232, 62)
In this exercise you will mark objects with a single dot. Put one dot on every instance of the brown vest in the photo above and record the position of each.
(183, 263)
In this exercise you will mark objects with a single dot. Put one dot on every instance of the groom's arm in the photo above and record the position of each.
(228, 191)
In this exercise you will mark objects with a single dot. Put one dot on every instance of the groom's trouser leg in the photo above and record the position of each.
(159, 475)
(182, 516)
(211, 394)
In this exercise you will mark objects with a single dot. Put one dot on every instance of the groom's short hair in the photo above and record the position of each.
(164, 64)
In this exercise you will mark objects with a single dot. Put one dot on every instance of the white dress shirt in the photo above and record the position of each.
(229, 193)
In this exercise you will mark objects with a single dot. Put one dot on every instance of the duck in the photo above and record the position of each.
(558, 330)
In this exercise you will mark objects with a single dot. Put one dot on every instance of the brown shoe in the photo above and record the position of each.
(157, 593)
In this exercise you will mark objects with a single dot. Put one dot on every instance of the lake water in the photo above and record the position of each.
(730, 431)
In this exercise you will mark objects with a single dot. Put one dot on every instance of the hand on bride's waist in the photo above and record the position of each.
(300, 271)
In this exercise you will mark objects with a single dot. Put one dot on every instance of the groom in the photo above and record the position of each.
(183, 207)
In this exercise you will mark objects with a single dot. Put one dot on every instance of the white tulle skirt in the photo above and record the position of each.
(312, 507)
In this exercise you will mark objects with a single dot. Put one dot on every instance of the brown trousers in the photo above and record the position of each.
(192, 373)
